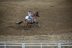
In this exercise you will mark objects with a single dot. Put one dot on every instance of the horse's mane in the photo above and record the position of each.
(36, 14)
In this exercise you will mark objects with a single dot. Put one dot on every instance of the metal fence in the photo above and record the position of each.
(23, 45)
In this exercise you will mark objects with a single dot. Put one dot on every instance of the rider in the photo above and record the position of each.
(29, 17)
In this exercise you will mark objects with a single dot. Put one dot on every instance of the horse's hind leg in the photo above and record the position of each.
(25, 24)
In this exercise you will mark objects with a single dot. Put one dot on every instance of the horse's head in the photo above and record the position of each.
(36, 14)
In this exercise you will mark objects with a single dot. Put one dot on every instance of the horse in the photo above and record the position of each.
(26, 22)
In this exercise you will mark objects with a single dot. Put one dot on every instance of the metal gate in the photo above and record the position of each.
(23, 45)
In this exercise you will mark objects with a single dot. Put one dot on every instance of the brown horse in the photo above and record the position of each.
(26, 22)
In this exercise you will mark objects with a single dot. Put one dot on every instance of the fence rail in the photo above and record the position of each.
(23, 45)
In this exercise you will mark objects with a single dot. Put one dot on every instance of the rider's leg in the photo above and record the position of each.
(32, 20)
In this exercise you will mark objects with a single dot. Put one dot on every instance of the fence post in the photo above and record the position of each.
(23, 45)
(41, 45)
(59, 45)
(4, 45)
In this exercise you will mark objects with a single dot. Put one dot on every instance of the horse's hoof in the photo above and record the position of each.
(38, 24)
(25, 27)
(29, 26)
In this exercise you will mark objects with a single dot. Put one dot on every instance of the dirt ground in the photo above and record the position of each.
(55, 19)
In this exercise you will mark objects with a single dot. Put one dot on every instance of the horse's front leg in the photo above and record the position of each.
(35, 20)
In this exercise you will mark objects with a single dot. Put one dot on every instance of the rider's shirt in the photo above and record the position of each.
(29, 14)
(29, 17)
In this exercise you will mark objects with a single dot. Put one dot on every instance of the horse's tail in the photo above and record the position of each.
(20, 22)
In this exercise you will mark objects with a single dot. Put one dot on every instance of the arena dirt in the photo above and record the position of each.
(55, 19)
